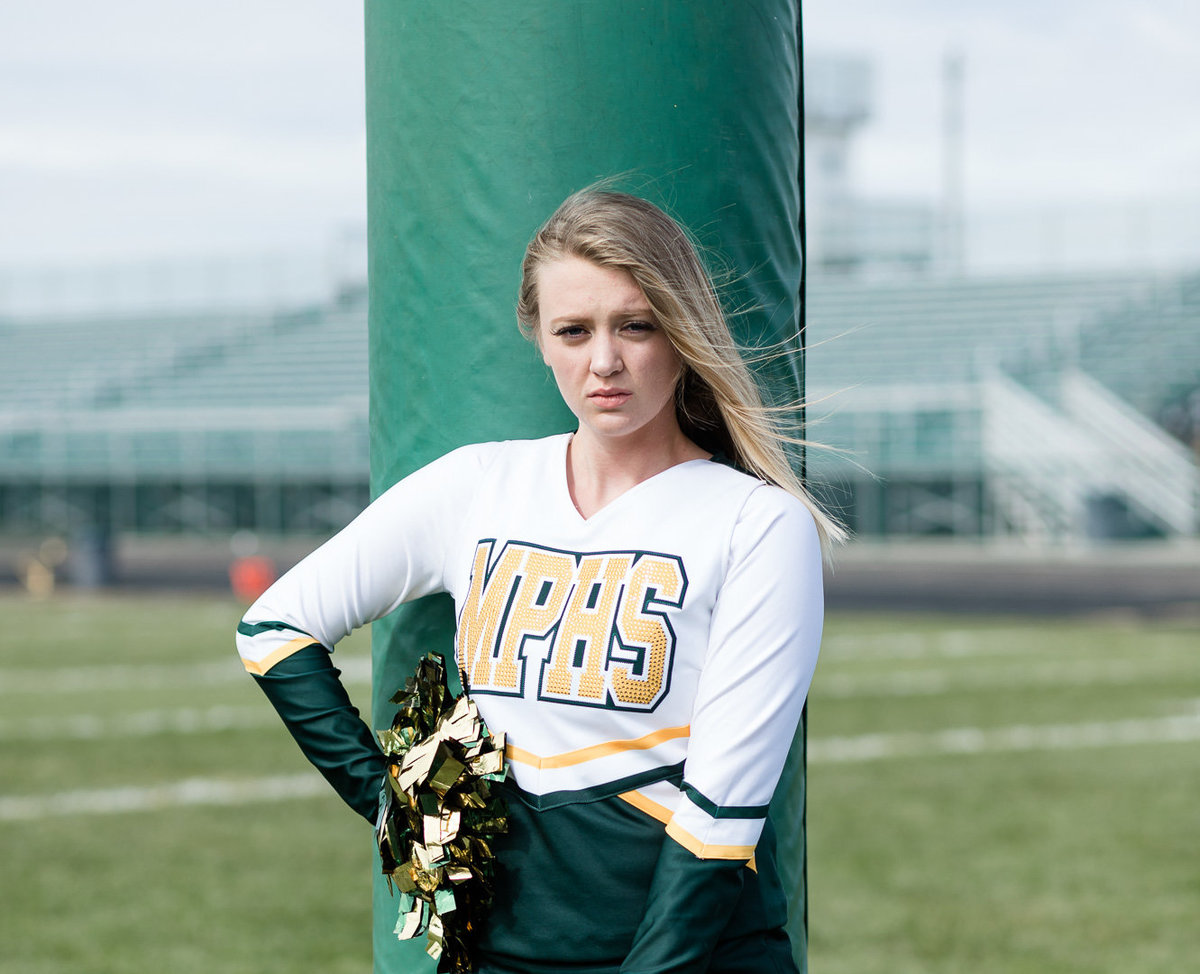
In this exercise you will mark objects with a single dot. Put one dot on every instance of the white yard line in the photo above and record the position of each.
(176, 794)
(1002, 642)
(831, 681)
(941, 643)
(831, 750)
(145, 723)
(150, 676)
(927, 681)
(1021, 737)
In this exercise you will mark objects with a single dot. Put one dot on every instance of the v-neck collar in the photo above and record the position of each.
(564, 489)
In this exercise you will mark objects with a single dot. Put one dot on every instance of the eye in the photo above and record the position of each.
(640, 326)
(569, 331)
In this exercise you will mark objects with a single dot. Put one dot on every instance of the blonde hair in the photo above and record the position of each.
(717, 401)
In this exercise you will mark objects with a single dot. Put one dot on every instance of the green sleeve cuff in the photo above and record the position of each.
(690, 902)
(306, 691)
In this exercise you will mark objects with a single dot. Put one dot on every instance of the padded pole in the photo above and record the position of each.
(481, 118)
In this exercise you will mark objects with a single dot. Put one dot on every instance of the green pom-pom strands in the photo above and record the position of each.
(439, 814)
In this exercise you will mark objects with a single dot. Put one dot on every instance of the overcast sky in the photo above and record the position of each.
(140, 129)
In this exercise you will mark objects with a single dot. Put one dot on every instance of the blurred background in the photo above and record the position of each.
(1003, 324)
(1003, 294)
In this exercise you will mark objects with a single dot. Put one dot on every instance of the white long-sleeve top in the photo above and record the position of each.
(659, 651)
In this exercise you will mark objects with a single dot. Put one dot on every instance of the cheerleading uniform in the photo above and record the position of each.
(648, 666)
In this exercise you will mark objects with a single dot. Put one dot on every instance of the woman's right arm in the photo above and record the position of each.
(393, 552)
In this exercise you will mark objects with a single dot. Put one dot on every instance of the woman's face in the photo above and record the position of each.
(615, 367)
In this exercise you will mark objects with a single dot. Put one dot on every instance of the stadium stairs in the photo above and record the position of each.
(1047, 387)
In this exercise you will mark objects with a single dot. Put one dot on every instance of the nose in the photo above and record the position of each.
(606, 355)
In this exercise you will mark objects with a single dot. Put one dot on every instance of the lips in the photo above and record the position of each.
(609, 397)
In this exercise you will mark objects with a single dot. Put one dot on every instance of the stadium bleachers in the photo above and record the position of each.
(943, 388)
(185, 394)
(1148, 351)
(947, 329)
(196, 423)
(917, 380)
(197, 361)
(286, 361)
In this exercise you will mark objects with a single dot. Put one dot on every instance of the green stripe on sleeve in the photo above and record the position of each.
(246, 629)
(728, 811)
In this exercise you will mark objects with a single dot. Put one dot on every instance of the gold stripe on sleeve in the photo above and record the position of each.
(260, 667)
(663, 814)
(703, 851)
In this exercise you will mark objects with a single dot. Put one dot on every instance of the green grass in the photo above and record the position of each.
(1073, 860)
(1078, 859)
(268, 887)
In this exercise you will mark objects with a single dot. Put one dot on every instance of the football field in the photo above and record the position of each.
(985, 795)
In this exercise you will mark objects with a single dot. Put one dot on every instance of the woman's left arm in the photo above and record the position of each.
(765, 635)
(393, 551)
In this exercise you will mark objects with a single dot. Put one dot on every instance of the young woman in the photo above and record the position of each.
(639, 610)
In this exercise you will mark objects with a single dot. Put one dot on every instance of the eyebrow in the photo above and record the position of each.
(632, 311)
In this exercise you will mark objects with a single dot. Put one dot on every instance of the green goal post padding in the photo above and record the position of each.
(481, 118)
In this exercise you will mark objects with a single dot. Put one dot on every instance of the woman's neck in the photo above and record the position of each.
(600, 470)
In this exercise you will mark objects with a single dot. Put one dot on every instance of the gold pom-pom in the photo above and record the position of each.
(439, 814)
